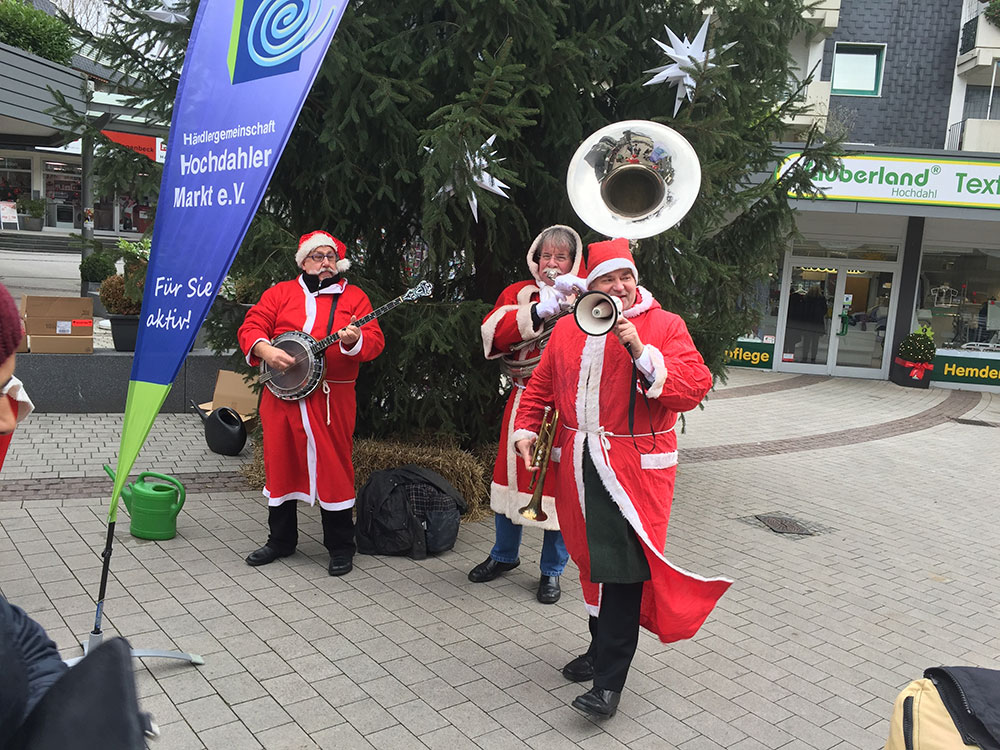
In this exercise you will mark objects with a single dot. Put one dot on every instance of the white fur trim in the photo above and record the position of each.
(249, 355)
(354, 350)
(320, 239)
(310, 451)
(644, 301)
(488, 330)
(525, 324)
(658, 460)
(342, 265)
(521, 435)
(340, 505)
(276, 501)
(507, 503)
(611, 264)
(659, 371)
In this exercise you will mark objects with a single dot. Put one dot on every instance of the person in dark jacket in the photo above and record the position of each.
(29, 665)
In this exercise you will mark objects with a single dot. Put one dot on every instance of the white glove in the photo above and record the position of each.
(549, 307)
(570, 284)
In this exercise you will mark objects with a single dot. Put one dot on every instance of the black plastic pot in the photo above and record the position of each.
(124, 330)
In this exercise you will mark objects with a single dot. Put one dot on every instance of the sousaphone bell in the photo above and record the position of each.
(633, 179)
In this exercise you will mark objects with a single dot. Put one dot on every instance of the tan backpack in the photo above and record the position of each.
(935, 712)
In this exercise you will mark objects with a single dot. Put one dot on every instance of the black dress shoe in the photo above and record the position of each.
(264, 555)
(599, 703)
(580, 669)
(340, 566)
(548, 589)
(490, 569)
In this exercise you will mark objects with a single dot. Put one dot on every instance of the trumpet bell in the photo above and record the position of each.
(596, 313)
(633, 179)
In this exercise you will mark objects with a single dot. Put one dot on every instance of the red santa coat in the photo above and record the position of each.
(588, 379)
(509, 323)
(308, 443)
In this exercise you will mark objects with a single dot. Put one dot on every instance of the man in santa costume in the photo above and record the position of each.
(520, 315)
(308, 442)
(619, 397)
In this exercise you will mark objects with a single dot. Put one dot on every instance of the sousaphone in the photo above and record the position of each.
(633, 179)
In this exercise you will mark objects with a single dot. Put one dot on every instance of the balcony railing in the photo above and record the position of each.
(974, 134)
(979, 46)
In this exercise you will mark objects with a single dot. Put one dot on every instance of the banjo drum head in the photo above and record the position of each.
(291, 383)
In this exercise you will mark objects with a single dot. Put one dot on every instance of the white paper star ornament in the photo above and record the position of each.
(686, 55)
(477, 164)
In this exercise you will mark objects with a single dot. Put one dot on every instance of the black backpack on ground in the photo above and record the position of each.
(409, 510)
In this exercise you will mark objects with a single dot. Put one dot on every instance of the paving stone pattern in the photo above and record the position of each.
(806, 650)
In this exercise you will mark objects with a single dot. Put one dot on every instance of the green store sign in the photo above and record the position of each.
(755, 354)
(972, 370)
(880, 178)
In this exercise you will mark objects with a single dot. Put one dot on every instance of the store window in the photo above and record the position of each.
(955, 287)
(857, 69)
(15, 178)
(63, 183)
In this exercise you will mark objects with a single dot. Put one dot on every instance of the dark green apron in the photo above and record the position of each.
(616, 554)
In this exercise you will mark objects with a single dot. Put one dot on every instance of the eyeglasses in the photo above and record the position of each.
(320, 257)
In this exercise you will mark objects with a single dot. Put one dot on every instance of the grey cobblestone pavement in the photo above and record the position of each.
(806, 650)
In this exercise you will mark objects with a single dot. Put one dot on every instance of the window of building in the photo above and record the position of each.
(15, 178)
(953, 291)
(857, 69)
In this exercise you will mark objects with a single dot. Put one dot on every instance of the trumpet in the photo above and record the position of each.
(540, 462)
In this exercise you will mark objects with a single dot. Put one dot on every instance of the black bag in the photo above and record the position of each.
(408, 511)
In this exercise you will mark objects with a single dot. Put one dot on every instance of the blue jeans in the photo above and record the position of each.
(508, 541)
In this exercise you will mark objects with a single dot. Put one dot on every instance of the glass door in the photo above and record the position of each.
(807, 309)
(861, 315)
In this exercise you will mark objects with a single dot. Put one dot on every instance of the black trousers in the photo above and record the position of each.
(283, 527)
(615, 634)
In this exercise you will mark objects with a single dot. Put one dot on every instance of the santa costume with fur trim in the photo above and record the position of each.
(589, 379)
(308, 442)
(510, 323)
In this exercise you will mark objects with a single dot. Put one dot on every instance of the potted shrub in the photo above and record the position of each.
(94, 269)
(31, 212)
(123, 312)
(914, 360)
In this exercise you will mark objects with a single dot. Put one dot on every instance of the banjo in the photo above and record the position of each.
(302, 378)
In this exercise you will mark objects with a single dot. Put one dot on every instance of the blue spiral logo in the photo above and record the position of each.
(281, 29)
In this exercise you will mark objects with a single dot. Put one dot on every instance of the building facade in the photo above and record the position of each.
(905, 233)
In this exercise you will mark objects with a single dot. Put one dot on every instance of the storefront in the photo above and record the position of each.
(56, 175)
(898, 240)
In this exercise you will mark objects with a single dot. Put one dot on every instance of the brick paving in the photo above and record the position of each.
(806, 650)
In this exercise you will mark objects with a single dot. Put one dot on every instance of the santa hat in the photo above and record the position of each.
(610, 255)
(10, 325)
(317, 239)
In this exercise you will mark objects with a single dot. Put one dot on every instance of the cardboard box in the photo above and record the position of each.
(232, 391)
(50, 318)
(60, 327)
(63, 308)
(60, 344)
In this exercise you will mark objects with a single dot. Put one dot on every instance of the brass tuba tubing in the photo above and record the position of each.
(540, 461)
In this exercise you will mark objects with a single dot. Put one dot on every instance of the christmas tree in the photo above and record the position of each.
(409, 91)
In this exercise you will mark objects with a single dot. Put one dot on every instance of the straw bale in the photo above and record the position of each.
(470, 474)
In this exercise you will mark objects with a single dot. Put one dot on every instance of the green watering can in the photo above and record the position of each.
(153, 505)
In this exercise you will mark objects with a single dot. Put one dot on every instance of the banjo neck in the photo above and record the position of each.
(321, 345)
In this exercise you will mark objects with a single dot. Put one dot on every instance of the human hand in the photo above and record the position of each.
(570, 284)
(526, 447)
(628, 336)
(551, 306)
(349, 335)
(275, 358)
